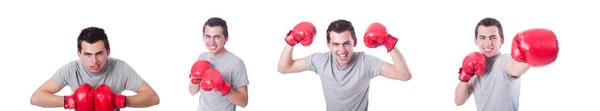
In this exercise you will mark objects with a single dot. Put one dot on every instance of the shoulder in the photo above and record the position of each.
(235, 59)
(321, 54)
(203, 55)
(116, 62)
(72, 65)
(504, 57)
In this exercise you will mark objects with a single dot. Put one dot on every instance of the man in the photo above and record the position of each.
(96, 80)
(497, 82)
(345, 74)
(220, 73)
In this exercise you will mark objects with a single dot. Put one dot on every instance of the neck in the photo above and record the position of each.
(218, 53)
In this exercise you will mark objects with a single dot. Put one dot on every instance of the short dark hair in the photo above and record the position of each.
(216, 21)
(92, 35)
(487, 22)
(339, 26)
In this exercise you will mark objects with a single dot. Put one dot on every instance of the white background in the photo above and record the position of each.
(161, 40)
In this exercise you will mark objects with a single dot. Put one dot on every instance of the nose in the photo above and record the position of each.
(487, 41)
(341, 48)
(94, 59)
(212, 40)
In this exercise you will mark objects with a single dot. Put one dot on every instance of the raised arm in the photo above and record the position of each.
(287, 65)
(303, 33)
(399, 70)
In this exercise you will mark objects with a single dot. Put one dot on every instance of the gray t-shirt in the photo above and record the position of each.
(116, 73)
(345, 88)
(233, 70)
(496, 90)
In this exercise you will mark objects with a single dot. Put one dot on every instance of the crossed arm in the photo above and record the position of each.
(45, 96)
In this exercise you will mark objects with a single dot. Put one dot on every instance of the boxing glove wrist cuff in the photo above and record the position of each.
(463, 76)
(391, 43)
(225, 90)
(69, 102)
(290, 40)
(120, 101)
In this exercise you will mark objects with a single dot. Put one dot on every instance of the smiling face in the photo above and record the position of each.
(93, 56)
(488, 40)
(214, 39)
(341, 45)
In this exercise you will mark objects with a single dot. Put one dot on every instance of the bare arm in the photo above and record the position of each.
(193, 88)
(287, 65)
(145, 97)
(516, 69)
(44, 95)
(462, 93)
(239, 96)
(399, 70)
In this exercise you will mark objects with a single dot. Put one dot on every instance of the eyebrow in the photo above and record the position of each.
(487, 36)
(340, 43)
(212, 35)
(94, 53)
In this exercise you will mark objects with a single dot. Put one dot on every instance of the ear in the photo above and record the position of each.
(501, 41)
(79, 54)
(108, 52)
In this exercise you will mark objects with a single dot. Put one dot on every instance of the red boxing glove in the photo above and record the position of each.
(474, 63)
(81, 100)
(303, 32)
(106, 100)
(536, 47)
(214, 80)
(377, 35)
(198, 70)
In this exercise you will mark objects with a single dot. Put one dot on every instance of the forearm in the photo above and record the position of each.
(47, 100)
(517, 69)
(400, 68)
(285, 61)
(193, 88)
(238, 98)
(462, 93)
(140, 100)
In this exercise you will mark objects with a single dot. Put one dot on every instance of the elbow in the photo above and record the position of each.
(282, 70)
(458, 103)
(33, 100)
(243, 105)
(156, 100)
(404, 76)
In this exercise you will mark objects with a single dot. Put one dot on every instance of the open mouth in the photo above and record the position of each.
(488, 49)
(343, 56)
(212, 47)
(94, 67)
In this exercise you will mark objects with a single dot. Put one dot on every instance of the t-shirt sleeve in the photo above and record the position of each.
(505, 58)
(62, 75)
(133, 81)
(239, 76)
(373, 65)
(314, 62)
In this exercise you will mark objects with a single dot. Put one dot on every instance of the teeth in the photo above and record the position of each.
(343, 55)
